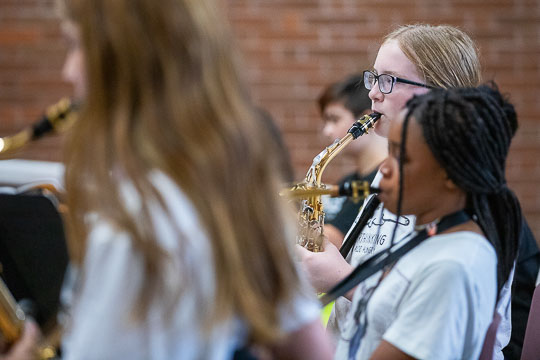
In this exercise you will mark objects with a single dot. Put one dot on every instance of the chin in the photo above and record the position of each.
(387, 203)
(390, 207)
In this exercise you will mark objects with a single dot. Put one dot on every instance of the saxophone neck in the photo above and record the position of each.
(328, 154)
(359, 128)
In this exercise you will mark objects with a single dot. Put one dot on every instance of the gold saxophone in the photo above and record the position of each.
(12, 318)
(311, 214)
(56, 118)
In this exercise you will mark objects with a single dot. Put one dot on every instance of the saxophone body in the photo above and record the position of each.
(311, 213)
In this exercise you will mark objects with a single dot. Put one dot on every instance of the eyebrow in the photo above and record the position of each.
(393, 73)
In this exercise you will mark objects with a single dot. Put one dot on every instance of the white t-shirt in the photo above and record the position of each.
(375, 237)
(437, 302)
(102, 327)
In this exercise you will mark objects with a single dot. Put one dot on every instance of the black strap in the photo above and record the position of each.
(367, 213)
(380, 260)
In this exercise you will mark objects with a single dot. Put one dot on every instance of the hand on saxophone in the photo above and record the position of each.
(26, 347)
(326, 268)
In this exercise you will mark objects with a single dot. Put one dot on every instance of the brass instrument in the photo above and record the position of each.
(311, 214)
(12, 319)
(11, 315)
(356, 189)
(57, 117)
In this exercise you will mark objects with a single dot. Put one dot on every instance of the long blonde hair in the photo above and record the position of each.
(444, 55)
(164, 93)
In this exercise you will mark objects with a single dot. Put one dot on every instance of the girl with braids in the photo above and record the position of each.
(446, 166)
(175, 220)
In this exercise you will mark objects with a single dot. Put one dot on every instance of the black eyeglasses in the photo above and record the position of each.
(386, 82)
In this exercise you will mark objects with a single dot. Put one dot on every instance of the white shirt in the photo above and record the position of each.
(437, 302)
(102, 327)
(375, 237)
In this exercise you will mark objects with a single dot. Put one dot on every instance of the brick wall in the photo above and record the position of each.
(292, 49)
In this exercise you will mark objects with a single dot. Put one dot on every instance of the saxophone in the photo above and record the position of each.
(311, 214)
(12, 318)
(56, 118)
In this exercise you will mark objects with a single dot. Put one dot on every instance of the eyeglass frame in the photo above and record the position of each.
(395, 80)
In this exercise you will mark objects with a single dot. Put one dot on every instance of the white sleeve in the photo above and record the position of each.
(302, 309)
(431, 322)
(102, 309)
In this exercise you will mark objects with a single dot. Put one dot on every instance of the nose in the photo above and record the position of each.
(328, 129)
(385, 168)
(68, 69)
(375, 93)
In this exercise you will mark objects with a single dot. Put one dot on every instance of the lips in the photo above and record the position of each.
(378, 112)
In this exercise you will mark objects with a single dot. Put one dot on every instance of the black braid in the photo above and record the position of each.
(469, 133)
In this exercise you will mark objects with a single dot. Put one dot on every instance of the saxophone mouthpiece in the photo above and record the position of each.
(55, 116)
(362, 125)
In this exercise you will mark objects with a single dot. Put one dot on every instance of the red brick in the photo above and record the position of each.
(291, 50)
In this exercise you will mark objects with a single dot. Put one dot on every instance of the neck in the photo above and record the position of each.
(444, 206)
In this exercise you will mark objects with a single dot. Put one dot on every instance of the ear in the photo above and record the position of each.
(449, 184)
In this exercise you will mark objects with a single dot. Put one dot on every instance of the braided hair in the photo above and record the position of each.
(469, 131)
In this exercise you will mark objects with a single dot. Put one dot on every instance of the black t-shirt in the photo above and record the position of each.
(343, 217)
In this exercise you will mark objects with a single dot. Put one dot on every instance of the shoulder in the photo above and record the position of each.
(442, 259)
(464, 247)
